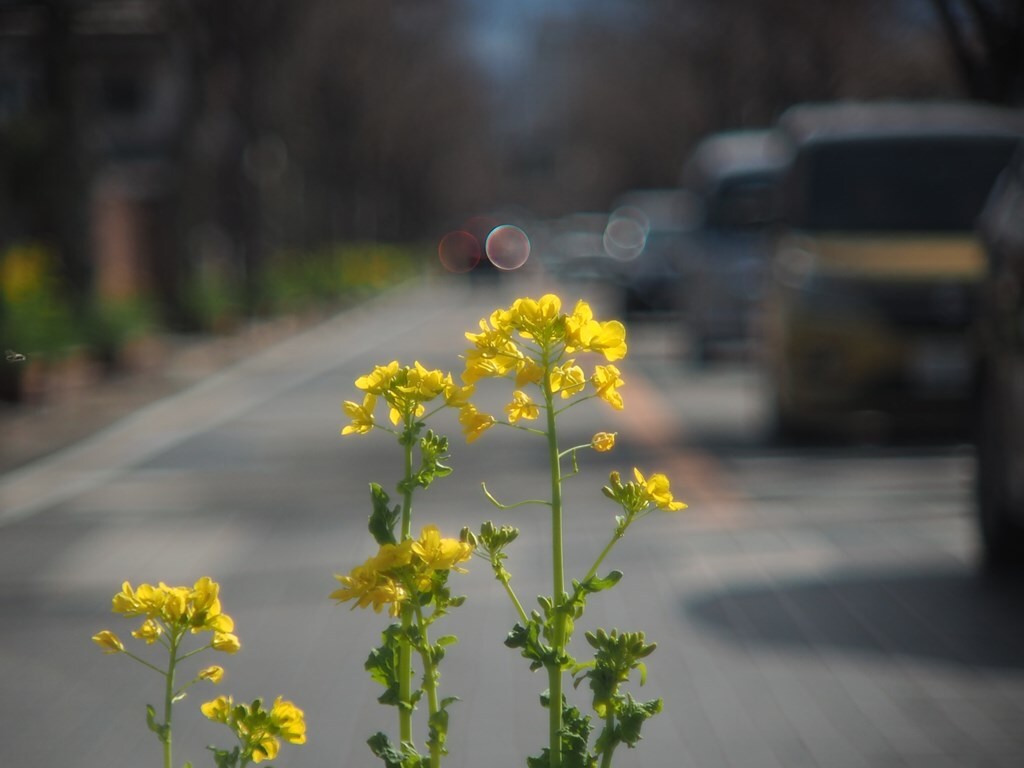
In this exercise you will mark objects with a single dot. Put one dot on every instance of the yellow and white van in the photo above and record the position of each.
(875, 269)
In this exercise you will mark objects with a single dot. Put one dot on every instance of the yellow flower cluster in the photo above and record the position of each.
(23, 272)
(173, 610)
(406, 391)
(643, 492)
(535, 342)
(259, 731)
(389, 577)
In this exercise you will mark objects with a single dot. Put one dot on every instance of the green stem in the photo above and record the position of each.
(503, 577)
(169, 702)
(143, 662)
(558, 583)
(404, 648)
(606, 758)
(430, 684)
(619, 533)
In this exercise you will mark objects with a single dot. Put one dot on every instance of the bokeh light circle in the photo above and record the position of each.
(508, 247)
(459, 251)
(626, 233)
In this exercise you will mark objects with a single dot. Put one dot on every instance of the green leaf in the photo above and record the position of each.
(381, 747)
(599, 584)
(632, 715)
(384, 518)
(439, 725)
(222, 758)
(406, 757)
(527, 640)
(382, 664)
(160, 729)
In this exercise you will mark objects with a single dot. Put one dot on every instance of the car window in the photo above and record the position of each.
(937, 184)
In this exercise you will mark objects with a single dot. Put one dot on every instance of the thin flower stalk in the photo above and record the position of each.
(407, 574)
(537, 344)
(169, 616)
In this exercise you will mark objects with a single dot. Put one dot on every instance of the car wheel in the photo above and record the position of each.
(1002, 538)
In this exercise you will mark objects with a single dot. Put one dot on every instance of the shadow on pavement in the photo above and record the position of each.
(948, 615)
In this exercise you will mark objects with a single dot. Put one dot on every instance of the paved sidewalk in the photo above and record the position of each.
(167, 364)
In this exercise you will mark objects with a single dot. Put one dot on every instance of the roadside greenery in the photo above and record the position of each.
(40, 322)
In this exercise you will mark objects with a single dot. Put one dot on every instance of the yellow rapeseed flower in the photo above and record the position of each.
(205, 596)
(603, 442)
(108, 641)
(422, 384)
(568, 379)
(354, 585)
(174, 602)
(258, 730)
(361, 415)
(379, 379)
(150, 631)
(372, 584)
(535, 318)
(492, 362)
(521, 407)
(656, 489)
(474, 423)
(441, 554)
(387, 592)
(225, 642)
(213, 673)
(218, 710)
(456, 396)
(264, 747)
(585, 333)
(606, 381)
(390, 557)
(289, 720)
(529, 372)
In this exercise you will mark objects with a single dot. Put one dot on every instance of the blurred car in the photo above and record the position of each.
(876, 265)
(733, 175)
(1000, 391)
(646, 233)
(573, 249)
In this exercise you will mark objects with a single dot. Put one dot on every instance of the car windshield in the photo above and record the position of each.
(903, 185)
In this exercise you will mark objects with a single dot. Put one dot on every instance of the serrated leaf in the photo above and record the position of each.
(384, 518)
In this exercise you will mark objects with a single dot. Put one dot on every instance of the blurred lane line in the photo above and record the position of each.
(649, 421)
(215, 400)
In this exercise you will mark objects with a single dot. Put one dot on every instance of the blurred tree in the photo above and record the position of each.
(624, 92)
(987, 41)
(393, 131)
(44, 159)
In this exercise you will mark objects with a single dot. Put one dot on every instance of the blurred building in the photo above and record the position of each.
(92, 99)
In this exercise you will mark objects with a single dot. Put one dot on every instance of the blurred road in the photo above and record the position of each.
(815, 606)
